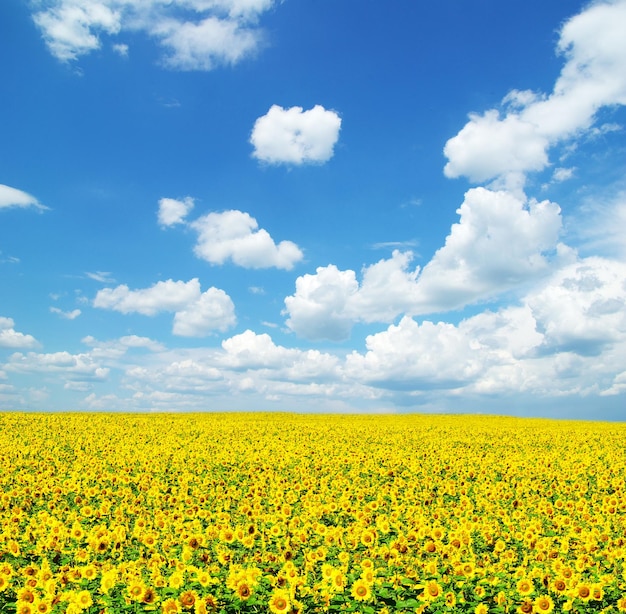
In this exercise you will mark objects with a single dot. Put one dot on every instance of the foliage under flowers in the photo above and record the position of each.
(291, 513)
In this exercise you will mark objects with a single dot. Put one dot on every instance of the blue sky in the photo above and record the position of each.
(313, 206)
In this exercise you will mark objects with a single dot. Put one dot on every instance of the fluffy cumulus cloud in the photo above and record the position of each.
(235, 235)
(172, 211)
(194, 34)
(163, 296)
(582, 309)
(10, 338)
(410, 356)
(295, 136)
(516, 139)
(319, 309)
(499, 243)
(213, 310)
(197, 313)
(12, 197)
(565, 337)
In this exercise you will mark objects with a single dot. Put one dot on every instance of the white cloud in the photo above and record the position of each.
(172, 211)
(206, 44)
(565, 337)
(500, 242)
(294, 136)
(489, 146)
(115, 349)
(582, 307)
(212, 33)
(410, 356)
(196, 313)
(319, 307)
(74, 367)
(600, 225)
(121, 49)
(12, 197)
(252, 351)
(562, 174)
(163, 296)
(234, 235)
(68, 315)
(70, 27)
(247, 363)
(101, 276)
(214, 310)
(594, 46)
(10, 338)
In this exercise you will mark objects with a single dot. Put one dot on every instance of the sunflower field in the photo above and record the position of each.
(285, 513)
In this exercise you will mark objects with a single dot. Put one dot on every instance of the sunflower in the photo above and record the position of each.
(203, 578)
(544, 604)
(339, 580)
(176, 580)
(187, 599)
(135, 590)
(26, 594)
(361, 590)
(432, 590)
(526, 607)
(558, 585)
(84, 600)
(621, 604)
(479, 591)
(450, 599)
(525, 587)
(89, 572)
(170, 606)
(244, 592)
(583, 592)
(279, 602)
(107, 582)
(43, 606)
(368, 537)
(227, 536)
(150, 596)
(481, 608)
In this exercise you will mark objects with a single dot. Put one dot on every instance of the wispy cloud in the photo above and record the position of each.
(101, 276)
(193, 34)
(12, 197)
(68, 315)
